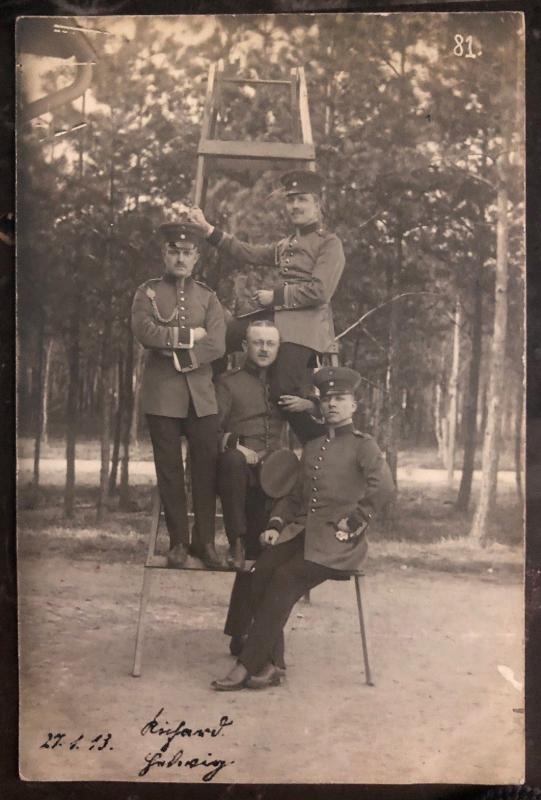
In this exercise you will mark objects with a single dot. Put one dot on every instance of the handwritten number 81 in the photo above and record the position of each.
(461, 50)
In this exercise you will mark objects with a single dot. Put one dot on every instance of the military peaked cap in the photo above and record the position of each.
(336, 380)
(301, 182)
(176, 234)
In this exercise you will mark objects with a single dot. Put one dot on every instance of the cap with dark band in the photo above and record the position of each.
(336, 380)
(176, 234)
(301, 182)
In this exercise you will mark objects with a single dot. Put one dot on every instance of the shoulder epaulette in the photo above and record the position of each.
(230, 372)
(204, 285)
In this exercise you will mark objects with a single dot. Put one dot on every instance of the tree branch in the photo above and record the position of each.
(381, 305)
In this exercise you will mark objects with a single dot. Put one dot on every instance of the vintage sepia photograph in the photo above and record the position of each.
(270, 398)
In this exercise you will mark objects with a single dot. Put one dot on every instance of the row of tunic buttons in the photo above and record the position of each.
(182, 307)
(315, 489)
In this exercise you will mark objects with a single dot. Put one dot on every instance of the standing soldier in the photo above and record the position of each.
(317, 532)
(181, 323)
(311, 262)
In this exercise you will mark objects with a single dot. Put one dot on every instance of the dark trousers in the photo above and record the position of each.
(281, 577)
(202, 435)
(246, 510)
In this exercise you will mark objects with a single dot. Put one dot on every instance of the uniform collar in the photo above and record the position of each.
(312, 227)
(253, 369)
(343, 429)
(172, 279)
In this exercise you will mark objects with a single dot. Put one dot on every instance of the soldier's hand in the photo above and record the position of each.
(290, 402)
(198, 334)
(264, 297)
(269, 536)
(196, 222)
(250, 455)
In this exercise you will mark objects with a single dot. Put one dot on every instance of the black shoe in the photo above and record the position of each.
(208, 555)
(177, 556)
(268, 676)
(236, 644)
(226, 685)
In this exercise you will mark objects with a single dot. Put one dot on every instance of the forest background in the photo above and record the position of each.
(418, 126)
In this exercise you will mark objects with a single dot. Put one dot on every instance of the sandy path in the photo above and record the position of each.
(440, 711)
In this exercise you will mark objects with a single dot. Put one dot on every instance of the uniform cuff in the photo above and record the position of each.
(279, 296)
(215, 237)
(230, 441)
(183, 359)
(276, 523)
(185, 338)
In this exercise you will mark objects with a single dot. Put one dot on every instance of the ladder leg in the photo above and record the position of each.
(367, 672)
(138, 656)
(147, 578)
(306, 598)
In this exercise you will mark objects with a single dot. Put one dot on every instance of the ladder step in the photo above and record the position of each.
(191, 565)
(255, 81)
(283, 151)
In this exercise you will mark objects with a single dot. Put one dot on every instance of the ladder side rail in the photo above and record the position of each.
(306, 126)
(294, 98)
(200, 188)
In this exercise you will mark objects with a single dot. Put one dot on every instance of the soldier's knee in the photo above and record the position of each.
(232, 460)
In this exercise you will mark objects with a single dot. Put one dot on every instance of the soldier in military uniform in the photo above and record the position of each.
(251, 428)
(311, 262)
(181, 323)
(317, 532)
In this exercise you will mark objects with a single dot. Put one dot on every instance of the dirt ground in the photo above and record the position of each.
(441, 709)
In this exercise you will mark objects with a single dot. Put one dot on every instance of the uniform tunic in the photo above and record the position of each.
(310, 263)
(163, 312)
(246, 412)
(342, 476)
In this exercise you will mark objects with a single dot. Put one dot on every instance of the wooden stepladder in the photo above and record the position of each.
(216, 155)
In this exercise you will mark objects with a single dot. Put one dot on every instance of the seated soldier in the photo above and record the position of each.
(311, 262)
(181, 324)
(251, 428)
(316, 533)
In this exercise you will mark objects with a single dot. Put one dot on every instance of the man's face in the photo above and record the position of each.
(180, 260)
(302, 208)
(338, 409)
(261, 346)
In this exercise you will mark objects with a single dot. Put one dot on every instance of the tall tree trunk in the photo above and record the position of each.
(105, 421)
(472, 398)
(115, 458)
(46, 392)
(452, 391)
(71, 409)
(139, 365)
(124, 502)
(491, 443)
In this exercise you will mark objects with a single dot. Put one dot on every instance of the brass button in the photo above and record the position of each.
(316, 467)
(313, 510)
(319, 458)
(323, 447)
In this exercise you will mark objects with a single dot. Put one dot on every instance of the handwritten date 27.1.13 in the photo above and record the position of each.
(55, 740)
